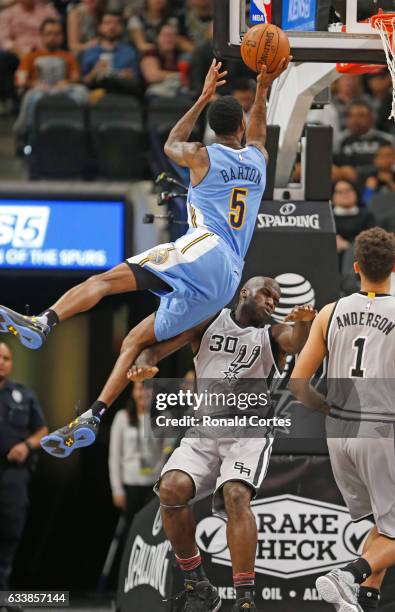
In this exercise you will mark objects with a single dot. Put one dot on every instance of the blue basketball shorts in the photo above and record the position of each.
(204, 274)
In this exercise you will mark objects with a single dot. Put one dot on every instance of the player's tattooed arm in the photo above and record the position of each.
(193, 154)
(257, 126)
(309, 361)
(291, 339)
(146, 363)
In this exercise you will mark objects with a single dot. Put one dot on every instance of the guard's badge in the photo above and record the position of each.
(158, 256)
(17, 396)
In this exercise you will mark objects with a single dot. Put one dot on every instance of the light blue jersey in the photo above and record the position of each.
(204, 267)
(227, 199)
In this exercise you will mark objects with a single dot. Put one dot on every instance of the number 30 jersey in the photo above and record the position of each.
(361, 337)
(227, 199)
(231, 351)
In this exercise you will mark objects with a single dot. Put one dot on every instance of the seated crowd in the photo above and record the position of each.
(134, 48)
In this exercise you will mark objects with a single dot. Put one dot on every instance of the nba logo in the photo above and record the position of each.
(261, 11)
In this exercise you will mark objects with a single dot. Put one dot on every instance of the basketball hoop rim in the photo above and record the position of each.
(387, 20)
(383, 23)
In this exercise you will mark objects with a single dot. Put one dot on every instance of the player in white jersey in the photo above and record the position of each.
(358, 332)
(240, 344)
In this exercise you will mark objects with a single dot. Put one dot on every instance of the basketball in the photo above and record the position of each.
(264, 44)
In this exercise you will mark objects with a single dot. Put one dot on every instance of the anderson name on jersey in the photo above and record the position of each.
(369, 319)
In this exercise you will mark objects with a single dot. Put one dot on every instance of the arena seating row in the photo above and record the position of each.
(111, 139)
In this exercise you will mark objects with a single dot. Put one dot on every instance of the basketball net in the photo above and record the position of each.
(384, 24)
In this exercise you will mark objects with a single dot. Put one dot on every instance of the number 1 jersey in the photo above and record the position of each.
(227, 199)
(361, 337)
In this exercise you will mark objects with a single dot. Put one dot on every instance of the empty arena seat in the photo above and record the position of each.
(118, 137)
(59, 139)
(163, 114)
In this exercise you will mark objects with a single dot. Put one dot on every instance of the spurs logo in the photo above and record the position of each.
(241, 363)
(241, 468)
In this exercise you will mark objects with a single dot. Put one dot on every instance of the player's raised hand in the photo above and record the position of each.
(301, 313)
(139, 373)
(215, 78)
(265, 78)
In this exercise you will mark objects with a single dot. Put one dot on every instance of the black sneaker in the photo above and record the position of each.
(80, 432)
(197, 597)
(246, 604)
(29, 331)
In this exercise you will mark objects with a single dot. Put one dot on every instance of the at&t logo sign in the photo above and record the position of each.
(295, 291)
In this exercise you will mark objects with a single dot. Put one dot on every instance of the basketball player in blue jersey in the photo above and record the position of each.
(199, 273)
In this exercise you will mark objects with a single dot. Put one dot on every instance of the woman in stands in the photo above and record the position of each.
(82, 22)
(145, 26)
(160, 65)
(135, 457)
(350, 218)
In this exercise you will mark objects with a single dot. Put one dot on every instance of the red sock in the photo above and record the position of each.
(192, 567)
(244, 584)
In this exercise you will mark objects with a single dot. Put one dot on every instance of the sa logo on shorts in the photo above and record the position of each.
(159, 256)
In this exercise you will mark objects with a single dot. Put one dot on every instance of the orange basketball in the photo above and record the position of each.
(264, 44)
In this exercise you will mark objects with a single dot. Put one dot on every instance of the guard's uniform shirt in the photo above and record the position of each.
(20, 415)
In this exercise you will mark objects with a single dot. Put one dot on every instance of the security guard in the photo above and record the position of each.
(22, 426)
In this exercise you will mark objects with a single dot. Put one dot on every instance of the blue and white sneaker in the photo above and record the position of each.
(29, 330)
(77, 434)
(339, 589)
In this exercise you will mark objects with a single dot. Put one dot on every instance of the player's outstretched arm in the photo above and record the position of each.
(177, 146)
(308, 363)
(291, 339)
(257, 126)
(146, 362)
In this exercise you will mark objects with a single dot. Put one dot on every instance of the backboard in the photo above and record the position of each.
(315, 28)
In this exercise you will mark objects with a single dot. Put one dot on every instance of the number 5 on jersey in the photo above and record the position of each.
(237, 207)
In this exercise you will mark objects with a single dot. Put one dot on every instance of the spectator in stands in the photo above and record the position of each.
(144, 27)
(82, 23)
(48, 70)
(244, 92)
(112, 65)
(380, 178)
(379, 87)
(19, 33)
(359, 143)
(345, 90)
(350, 219)
(6, 3)
(195, 20)
(135, 456)
(160, 66)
